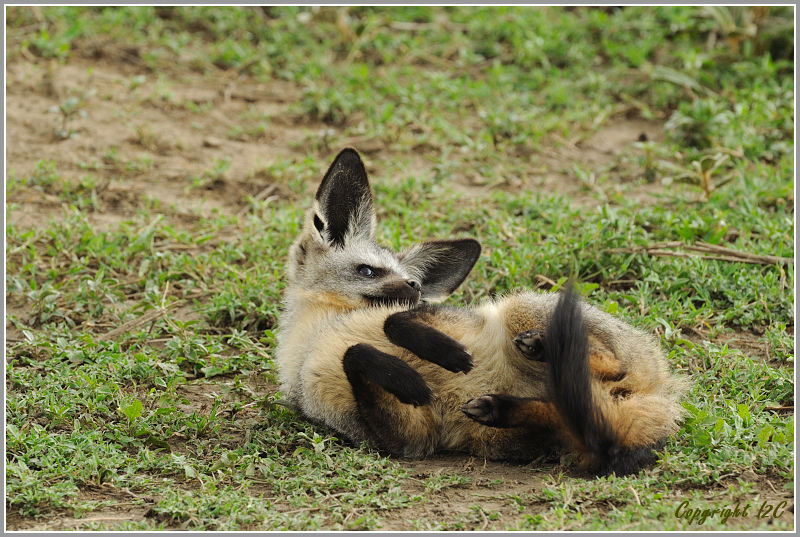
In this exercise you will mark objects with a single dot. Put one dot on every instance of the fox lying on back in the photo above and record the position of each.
(362, 349)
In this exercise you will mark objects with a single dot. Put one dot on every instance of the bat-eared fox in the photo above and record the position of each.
(363, 348)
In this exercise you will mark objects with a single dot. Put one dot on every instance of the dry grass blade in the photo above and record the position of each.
(765, 259)
(152, 315)
(725, 254)
(543, 280)
(779, 408)
(485, 520)
(259, 197)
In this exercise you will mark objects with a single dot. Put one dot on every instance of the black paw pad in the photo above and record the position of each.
(531, 344)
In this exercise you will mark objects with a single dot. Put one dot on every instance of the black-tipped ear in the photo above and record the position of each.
(344, 200)
(441, 266)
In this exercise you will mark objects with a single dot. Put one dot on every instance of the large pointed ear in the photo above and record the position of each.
(441, 266)
(343, 204)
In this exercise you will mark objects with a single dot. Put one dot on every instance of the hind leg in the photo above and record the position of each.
(513, 428)
(393, 401)
(504, 411)
(603, 365)
(640, 431)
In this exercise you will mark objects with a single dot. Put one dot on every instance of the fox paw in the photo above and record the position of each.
(530, 344)
(456, 359)
(485, 409)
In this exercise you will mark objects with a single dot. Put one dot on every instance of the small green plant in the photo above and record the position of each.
(71, 108)
(136, 82)
(44, 176)
(698, 124)
(212, 177)
(440, 481)
(709, 173)
(47, 45)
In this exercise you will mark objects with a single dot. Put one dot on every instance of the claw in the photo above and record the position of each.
(530, 344)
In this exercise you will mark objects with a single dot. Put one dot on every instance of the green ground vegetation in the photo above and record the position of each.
(179, 415)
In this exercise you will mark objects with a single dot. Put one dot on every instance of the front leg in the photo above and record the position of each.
(393, 400)
(406, 329)
(364, 364)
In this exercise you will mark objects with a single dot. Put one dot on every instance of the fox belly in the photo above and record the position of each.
(416, 431)
(323, 392)
(629, 379)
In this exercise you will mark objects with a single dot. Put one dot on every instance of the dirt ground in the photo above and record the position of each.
(158, 121)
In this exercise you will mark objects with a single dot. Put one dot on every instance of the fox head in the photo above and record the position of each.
(337, 254)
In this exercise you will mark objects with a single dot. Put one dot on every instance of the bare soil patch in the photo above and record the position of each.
(748, 342)
(609, 156)
(150, 141)
(178, 144)
(488, 493)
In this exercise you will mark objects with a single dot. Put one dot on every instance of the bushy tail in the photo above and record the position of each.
(583, 409)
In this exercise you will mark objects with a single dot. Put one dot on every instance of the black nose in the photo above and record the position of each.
(414, 285)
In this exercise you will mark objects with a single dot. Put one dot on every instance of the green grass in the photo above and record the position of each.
(179, 419)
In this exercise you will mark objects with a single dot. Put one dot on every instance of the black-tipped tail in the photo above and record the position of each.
(566, 349)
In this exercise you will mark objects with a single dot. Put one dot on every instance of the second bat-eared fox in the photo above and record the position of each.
(363, 348)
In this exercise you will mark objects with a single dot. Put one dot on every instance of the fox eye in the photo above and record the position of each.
(367, 271)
